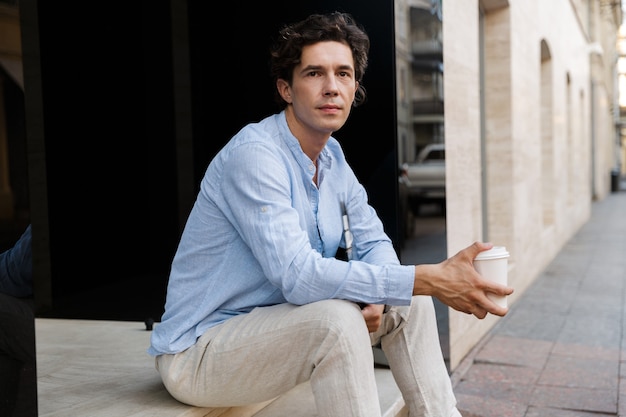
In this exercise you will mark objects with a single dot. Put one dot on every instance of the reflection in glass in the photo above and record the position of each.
(420, 119)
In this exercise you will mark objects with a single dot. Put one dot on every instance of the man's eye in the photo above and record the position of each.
(313, 73)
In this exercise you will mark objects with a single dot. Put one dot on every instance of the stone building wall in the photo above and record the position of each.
(528, 124)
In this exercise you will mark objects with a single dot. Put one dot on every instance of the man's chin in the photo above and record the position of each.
(334, 125)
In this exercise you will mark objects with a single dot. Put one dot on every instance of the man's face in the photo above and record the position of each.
(322, 89)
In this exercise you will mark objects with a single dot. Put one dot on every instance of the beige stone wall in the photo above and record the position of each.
(463, 138)
(533, 190)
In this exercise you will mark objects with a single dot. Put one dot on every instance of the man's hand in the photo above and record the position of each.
(373, 315)
(456, 283)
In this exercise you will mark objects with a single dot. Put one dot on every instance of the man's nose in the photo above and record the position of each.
(330, 89)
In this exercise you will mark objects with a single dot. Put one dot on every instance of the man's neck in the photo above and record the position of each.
(311, 143)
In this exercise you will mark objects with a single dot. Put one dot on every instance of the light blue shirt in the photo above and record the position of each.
(262, 233)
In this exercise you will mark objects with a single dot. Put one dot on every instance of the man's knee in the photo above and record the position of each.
(341, 317)
(339, 310)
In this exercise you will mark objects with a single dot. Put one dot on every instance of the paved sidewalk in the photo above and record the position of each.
(561, 350)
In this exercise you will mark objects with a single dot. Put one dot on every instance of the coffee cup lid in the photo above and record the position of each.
(493, 253)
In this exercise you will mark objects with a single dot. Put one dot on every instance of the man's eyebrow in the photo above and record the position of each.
(320, 67)
(311, 68)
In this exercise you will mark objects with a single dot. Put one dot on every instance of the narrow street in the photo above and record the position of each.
(428, 245)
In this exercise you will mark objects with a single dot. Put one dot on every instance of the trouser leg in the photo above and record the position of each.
(260, 355)
(410, 340)
(18, 380)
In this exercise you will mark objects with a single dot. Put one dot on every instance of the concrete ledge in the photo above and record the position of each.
(101, 369)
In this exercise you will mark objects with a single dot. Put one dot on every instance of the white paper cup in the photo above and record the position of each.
(493, 265)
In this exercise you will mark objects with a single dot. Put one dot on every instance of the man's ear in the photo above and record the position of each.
(284, 90)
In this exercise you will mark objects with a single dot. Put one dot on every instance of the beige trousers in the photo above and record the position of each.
(257, 356)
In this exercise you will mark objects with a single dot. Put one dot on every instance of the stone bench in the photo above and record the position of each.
(101, 369)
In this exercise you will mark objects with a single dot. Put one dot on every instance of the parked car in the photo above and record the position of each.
(425, 179)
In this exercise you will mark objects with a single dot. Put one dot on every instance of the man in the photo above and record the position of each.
(18, 368)
(257, 302)
(16, 267)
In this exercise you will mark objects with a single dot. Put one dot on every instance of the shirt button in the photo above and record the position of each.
(263, 209)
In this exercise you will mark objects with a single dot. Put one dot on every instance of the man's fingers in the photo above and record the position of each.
(478, 247)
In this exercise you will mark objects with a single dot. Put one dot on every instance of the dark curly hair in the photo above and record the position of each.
(286, 52)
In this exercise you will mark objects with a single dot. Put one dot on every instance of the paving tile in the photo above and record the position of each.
(484, 373)
(592, 330)
(481, 406)
(582, 399)
(567, 265)
(575, 372)
(515, 351)
(586, 351)
(621, 405)
(533, 323)
(554, 298)
(554, 412)
(501, 391)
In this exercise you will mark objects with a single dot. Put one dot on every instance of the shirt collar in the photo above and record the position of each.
(325, 157)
